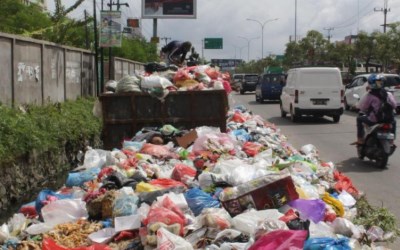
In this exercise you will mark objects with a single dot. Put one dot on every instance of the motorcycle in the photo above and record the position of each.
(378, 144)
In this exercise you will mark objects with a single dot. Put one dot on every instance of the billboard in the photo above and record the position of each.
(169, 9)
(110, 29)
(227, 64)
(213, 43)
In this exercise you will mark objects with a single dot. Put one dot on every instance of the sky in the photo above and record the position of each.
(226, 19)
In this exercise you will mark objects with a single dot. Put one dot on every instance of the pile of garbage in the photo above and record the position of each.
(158, 80)
(170, 189)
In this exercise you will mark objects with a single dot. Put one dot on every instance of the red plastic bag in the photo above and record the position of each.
(344, 183)
(227, 86)
(50, 244)
(168, 214)
(181, 75)
(251, 148)
(158, 151)
(281, 240)
(238, 117)
(212, 73)
(166, 183)
(181, 170)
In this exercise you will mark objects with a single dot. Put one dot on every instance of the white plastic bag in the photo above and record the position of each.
(155, 81)
(170, 241)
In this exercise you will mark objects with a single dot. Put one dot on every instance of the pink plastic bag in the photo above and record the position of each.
(181, 172)
(158, 151)
(281, 240)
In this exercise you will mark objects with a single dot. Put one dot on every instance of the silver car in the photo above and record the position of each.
(359, 86)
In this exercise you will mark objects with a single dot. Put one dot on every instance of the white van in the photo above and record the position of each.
(313, 91)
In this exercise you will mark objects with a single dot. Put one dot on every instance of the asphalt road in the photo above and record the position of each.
(333, 143)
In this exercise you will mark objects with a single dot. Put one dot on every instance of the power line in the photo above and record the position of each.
(329, 32)
(385, 10)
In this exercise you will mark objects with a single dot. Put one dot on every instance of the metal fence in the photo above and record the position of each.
(39, 72)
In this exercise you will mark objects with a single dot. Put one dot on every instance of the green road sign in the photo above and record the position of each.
(213, 43)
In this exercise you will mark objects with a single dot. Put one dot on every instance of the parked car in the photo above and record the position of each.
(248, 83)
(359, 86)
(316, 91)
(236, 81)
(269, 87)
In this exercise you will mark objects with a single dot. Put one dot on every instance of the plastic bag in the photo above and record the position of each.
(62, 211)
(159, 151)
(281, 240)
(50, 244)
(182, 172)
(77, 179)
(251, 148)
(181, 75)
(326, 243)
(310, 209)
(166, 183)
(155, 81)
(344, 183)
(124, 205)
(128, 84)
(47, 195)
(170, 241)
(197, 200)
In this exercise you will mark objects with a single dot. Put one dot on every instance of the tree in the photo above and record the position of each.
(17, 18)
(136, 49)
(314, 47)
(365, 47)
(293, 55)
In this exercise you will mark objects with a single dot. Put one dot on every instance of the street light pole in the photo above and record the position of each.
(262, 32)
(248, 45)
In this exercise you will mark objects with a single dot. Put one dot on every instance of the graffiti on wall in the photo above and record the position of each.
(28, 72)
(73, 72)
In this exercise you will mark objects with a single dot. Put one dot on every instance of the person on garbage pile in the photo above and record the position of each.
(175, 52)
(370, 103)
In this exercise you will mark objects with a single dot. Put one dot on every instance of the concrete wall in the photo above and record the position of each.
(6, 71)
(39, 72)
(124, 67)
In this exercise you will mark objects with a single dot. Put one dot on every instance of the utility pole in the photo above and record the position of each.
(165, 39)
(110, 48)
(96, 45)
(329, 33)
(102, 58)
(86, 30)
(385, 10)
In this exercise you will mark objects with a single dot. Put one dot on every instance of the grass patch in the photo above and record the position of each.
(45, 127)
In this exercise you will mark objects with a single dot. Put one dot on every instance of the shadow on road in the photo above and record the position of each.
(304, 120)
(263, 103)
(356, 165)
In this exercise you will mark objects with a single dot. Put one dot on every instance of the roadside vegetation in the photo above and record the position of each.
(43, 128)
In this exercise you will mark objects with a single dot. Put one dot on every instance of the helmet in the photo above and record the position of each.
(375, 81)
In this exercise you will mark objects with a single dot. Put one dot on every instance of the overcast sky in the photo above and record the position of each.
(227, 19)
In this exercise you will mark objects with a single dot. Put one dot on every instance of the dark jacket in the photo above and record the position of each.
(174, 50)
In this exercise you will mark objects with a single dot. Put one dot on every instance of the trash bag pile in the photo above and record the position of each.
(158, 80)
(248, 188)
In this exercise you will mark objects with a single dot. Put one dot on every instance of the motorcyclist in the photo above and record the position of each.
(370, 104)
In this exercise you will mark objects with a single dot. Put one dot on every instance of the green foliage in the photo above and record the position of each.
(17, 18)
(136, 49)
(45, 128)
(369, 216)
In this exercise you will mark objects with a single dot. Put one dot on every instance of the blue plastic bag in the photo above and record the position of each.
(77, 179)
(326, 243)
(241, 135)
(197, 200)
(44, 196)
